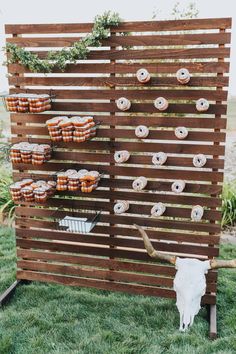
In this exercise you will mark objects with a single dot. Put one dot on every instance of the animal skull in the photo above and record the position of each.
(189, 281)
(190, 286)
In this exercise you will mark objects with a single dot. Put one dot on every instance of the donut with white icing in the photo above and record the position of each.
(161, 103)
(123, 104)
(141, 131)
(121, 156)
(159, 158)
(181, 132)
(143, 75)
(158, 209)
(199, 160)
(178, 186)
(197, 213)
(183, 76)
(121, 207)
(202, 105)
(139, 183)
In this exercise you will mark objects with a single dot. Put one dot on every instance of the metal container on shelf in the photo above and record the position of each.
(83, 224)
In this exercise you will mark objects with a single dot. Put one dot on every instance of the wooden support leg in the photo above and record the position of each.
(7, 295)
(213, 323)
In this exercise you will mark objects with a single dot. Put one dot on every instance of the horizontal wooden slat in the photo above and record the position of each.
(167, 54)
(94, 249)
(153, 121)
(133, 146)
(131, 68)
(135, 26)
(150, 94)
(100, 274)
(123, 231)
(134, 159)
(206, 81)
(132, 171)
(150, 268)
(129, 288)
(103, 241)
(137, 40)
(129, 134)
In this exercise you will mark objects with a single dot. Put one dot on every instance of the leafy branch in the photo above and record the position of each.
(78, 51)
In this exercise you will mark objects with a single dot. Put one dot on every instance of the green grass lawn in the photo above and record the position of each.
(45, 318)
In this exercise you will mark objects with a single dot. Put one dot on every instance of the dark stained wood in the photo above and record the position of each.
(120, 262)
(136, 26)
(115, 41)
(131, 68)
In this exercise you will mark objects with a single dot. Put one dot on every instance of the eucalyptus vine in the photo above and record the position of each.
(78, 51)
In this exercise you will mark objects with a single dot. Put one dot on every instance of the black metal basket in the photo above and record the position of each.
(52, 96)
(82, 224)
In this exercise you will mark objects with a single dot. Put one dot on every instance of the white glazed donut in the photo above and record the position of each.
(183, 76)
(121, 207)
(142, 131)
(121, 156)
(139, 183)
(199, 160)
(197, 213)
(143, 75)
(158, 209)
(202, 105)
(161, 103)
(181, 132)
(123, 104)
(159, 158)
(178, 186)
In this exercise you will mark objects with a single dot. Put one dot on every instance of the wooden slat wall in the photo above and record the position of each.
(112, 256)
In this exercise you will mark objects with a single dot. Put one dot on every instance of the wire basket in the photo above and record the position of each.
(27, 103)
(81, 225)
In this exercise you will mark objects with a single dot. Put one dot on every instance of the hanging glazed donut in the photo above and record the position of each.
(199, 160)
(139, 183)
(202, 105)
(178, 186)
(181, 132)
(197, 213)
(141, 131)
(161, 103)
(121, 207)
(143, 75)
(159, 158)
(183, 76)
(123, 104)
(121, 156)
(158, 209)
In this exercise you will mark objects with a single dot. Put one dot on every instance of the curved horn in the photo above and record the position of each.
(150, 249)
(221, 263)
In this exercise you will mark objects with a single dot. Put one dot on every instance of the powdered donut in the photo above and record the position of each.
(183, 76)
(121, 156)
(139, 183)
(197, 213)
(178, 186)
(161, 103)
(121, 207)
(202, 105)
(143, 75)
(181, 132)
(142, 131)
(123, 104)
(159, 158)
(199, 160)
(158, 209)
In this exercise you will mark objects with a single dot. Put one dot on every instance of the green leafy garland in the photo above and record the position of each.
(78, 51)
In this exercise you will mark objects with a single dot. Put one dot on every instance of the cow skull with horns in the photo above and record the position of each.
(189, 281)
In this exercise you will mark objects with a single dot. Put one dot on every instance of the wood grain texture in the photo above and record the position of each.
(112, 256)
